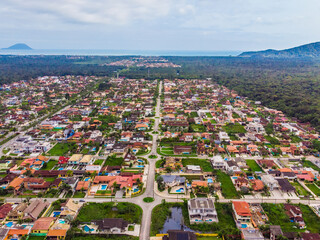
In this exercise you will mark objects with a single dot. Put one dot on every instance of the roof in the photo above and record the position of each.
(82, 185)
(4, 210)
(35, 208)
(43, 223)
(86, 159)
(109, 223)
(57, 233)
(242, 208)
(201, 203)
(16, 183)
(75, 158)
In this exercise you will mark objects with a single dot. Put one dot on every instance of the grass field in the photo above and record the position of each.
(307, 163)
(79, 195)
(227, 187)
(209, 115)
(310, 218)
(277, 216)
(198, 128)
(300, 189)
(96, 211)
(234, 128)
(60, 149)
(98, 162)
(50, 165)
(113, 161)
(313, 188)
(203, 163)
(253, 165)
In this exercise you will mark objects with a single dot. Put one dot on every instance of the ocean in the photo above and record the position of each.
(95, 52)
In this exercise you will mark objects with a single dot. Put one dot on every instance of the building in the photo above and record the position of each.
(111, 225)
(242, 212)
(193, 169)
(202, 210)
(42, 225)
(179, 150)
(217, 162)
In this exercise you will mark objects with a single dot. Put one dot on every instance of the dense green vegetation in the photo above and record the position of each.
(313, 188)
(78, 236)
(290, 85)
(96, 211)
(227, 187)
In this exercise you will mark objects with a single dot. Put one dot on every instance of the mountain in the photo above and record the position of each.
(19, 46)
(311, 50)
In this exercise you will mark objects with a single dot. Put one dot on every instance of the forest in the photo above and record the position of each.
(290, 85)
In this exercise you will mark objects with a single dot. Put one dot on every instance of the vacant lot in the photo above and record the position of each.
(96, 211)
(203, 163)
(61, 149)
(253, 165)
(113, 161)
(50, 165)
(234, 128)
(307, 163)
(314, 188)
(300, 189)
(227, 187)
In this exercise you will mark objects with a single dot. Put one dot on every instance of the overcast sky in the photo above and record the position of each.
(206, 25)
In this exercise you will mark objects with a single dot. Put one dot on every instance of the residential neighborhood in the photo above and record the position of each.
(152, 159)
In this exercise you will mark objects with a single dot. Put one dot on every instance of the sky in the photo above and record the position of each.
(194, 25)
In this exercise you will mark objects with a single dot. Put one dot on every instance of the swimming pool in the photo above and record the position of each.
(9, 224)
(87, 229)
(250, 177)
(139, 160)
(56, 214)
(140, 166)
(180, 190)
(104, 187)
(209, 180)
(62, 221)
(87, 179)
(60, 168)
(136, 190)
(234, 177)
(243, 225)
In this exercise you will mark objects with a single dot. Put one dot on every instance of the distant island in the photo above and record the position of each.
(311, 50)
(18, 46)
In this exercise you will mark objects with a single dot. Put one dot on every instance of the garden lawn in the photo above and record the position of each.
(203, 163)
(98, 162)
(113, 161)
(310, 218)
(227, 187)
(60, 149)
(300, 189)
(313, 188)
(209, 115)
(50, 165)
(97, 211)
(234, 128)
(79, 195)
(253, 165)
(307, 163)
(198, 128)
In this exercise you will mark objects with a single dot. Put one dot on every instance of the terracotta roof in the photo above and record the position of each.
(43, 223)
(57, 233)
(242, 208)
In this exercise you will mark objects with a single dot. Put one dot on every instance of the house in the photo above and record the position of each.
(35, 208)
(83, 185)
(71, 181)
(85, 160)
(266, 163)
(275, 232)
(232, 166)
(173, 180)
(270, 182)
(42, 225)
(17, 212)
(93, 168)
(202, 210)
(16, 233)
(295, 214)
(179, 234)
(56, 234)
(223, 136)
(111, 225)
(218, 162)
(241, 211)
(75, 159)
(63, 160)
(179, 150)
(71, 208)
(16, 183)
(285, 185)
(257, 185)
(193, 169)
(4, 210)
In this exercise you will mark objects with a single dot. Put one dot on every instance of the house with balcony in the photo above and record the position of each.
(202, 210)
